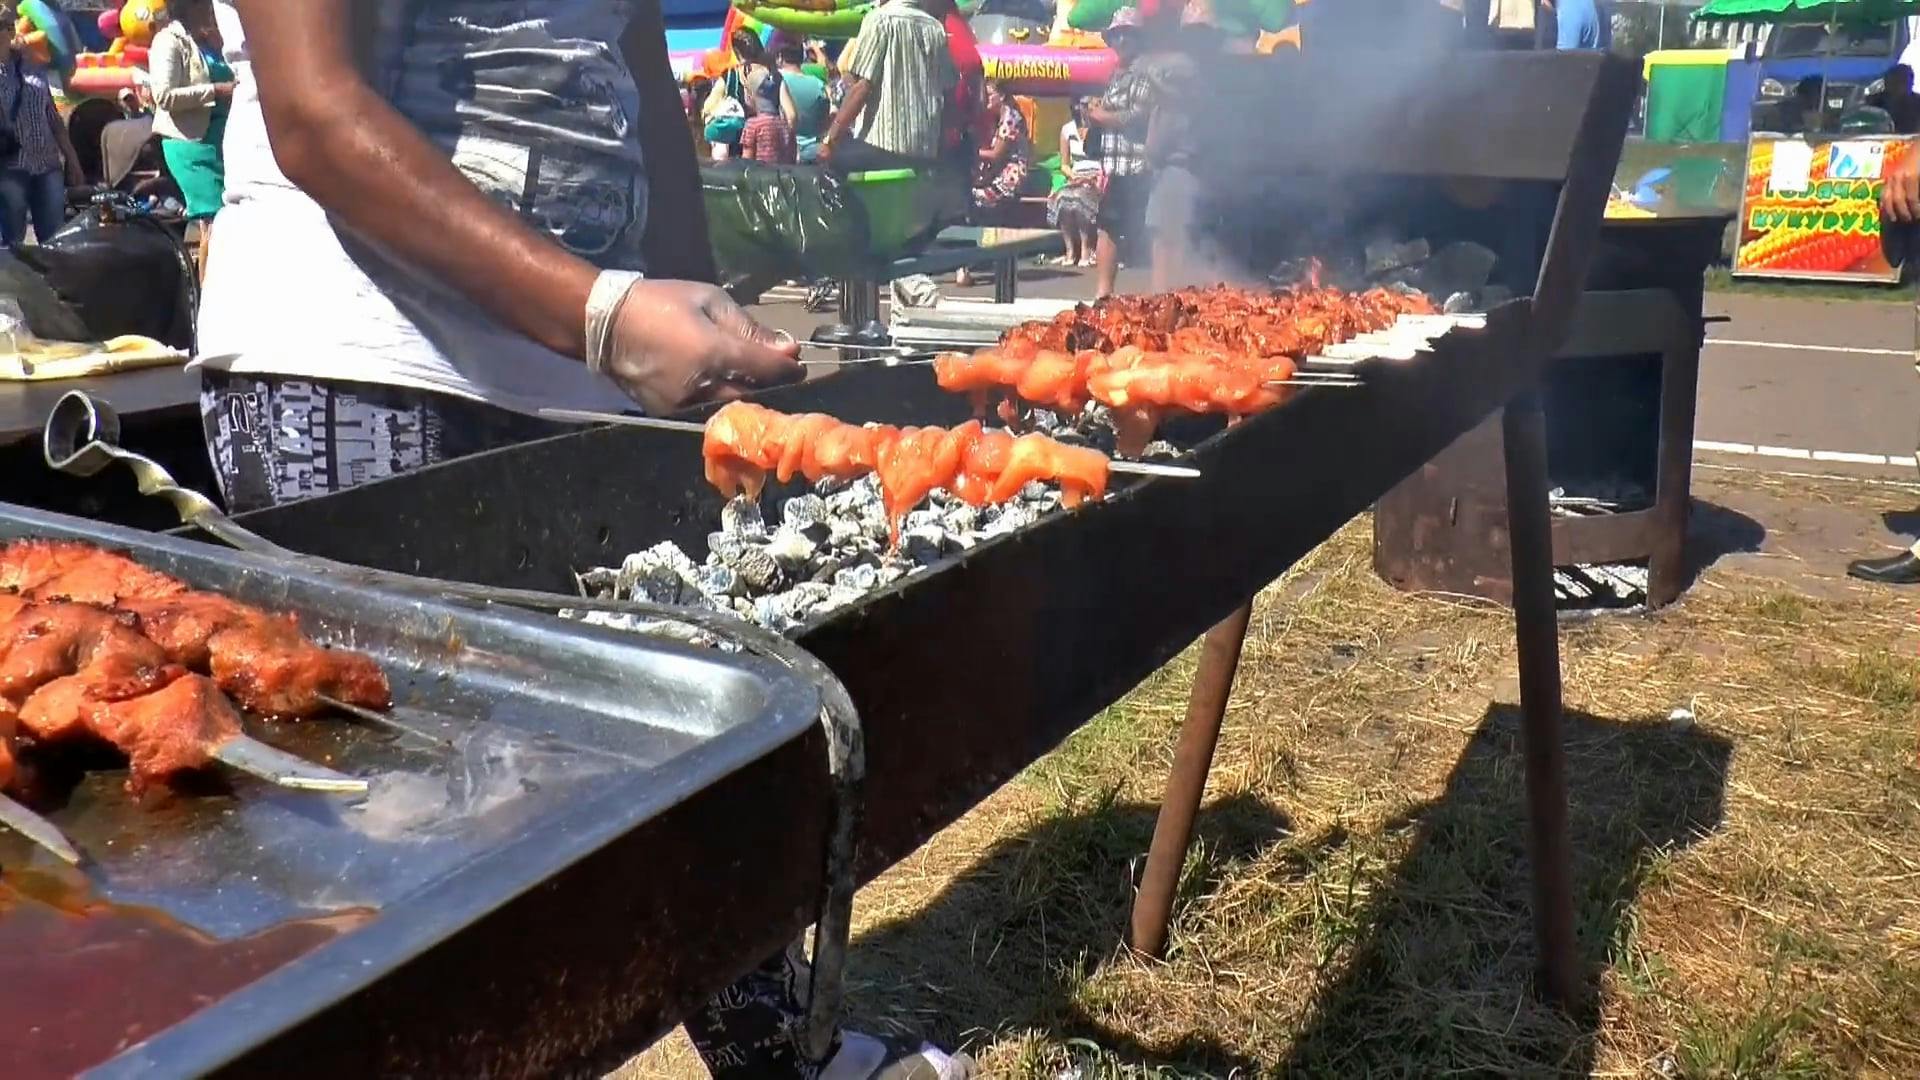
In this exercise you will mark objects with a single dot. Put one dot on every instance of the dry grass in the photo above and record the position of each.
(1749, 881)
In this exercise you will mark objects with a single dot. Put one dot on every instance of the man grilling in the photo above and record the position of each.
(1899, 206)
(440, 217)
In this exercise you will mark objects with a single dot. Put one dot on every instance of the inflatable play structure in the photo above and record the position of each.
(830, 19)
(1238, 18)
(695, 28)
(1028, 44)
(1047, 70)
(45, 34)
(131, 28)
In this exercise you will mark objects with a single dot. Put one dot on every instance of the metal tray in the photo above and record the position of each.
(559, 738)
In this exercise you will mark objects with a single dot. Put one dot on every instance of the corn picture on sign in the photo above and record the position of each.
(1811, 208)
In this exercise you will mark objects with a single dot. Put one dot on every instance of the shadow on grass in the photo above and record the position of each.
(1011, 941)
(1715, 532)
(1441, 980)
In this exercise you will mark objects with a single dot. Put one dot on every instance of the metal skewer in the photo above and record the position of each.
(584, 416)
(890, 360)
(282, 769)
(375, 718)
(39, 830)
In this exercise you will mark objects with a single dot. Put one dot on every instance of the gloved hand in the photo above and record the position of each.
(680, 343)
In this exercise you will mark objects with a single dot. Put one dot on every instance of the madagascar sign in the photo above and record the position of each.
(1811, 208)
(1048, 71)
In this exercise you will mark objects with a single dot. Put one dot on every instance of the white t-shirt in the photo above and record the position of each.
(1910, 55)
(537, 112)
(1077, 149)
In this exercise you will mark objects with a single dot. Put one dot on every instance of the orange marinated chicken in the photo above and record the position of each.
(172, 729)
(62, 709)
(745, 441)
(261, 659)
(66, 570)
(44, 642)
(270, 669)
(186, 625)
(1220, 329)
(1081, 473)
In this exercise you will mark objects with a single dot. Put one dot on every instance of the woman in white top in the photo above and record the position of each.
(1075, 207)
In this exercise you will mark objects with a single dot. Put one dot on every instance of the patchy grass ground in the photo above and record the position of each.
(1749, 878)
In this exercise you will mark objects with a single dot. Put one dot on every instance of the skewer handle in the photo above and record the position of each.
(39, 830)
(282, 769)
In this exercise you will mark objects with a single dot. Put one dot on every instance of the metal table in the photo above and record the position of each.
(24, 406)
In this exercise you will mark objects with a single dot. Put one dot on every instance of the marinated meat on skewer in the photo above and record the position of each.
(1213, 350)
(169, 730)
(94, 646)
(744, 442)
(44, 642)
(261, 659)
(68, 570)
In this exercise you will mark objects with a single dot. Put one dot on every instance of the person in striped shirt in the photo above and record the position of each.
(899, 80)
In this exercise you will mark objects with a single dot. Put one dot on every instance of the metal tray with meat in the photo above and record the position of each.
(519, 746)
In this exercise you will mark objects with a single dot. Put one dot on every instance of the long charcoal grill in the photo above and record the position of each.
(967, 673)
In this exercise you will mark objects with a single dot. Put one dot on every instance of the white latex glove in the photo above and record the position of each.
(680, 343)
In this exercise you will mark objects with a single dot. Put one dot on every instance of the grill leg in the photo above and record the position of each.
(1673, 489)
(1006, 281)
(1187, 783)
(1538, 637)
(859, 301)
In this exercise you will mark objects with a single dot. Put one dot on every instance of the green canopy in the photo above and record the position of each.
(1804, 11)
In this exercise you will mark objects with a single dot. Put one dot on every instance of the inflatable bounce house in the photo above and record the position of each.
(832, 20)
(47, 37)
(694, 29)
(130, 28)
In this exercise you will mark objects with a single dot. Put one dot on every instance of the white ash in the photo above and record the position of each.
(829, 550)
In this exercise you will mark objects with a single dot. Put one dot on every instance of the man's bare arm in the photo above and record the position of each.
(857, 91)
(372, 170)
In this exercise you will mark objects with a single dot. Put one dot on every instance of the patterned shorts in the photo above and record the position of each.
(277, 440)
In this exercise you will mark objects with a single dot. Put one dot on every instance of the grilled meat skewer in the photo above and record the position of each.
(69, 570)
(71, 672)
(745, 443)
(261, 659)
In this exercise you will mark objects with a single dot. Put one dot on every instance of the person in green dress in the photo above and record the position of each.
(192, 94)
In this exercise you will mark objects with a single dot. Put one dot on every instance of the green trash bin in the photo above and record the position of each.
(902, 208)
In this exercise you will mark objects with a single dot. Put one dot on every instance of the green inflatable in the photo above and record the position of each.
(1241, 18)
(809, 18)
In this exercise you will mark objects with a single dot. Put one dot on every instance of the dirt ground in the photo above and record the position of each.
(1746, 814)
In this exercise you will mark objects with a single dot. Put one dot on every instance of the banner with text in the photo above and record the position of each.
(1811, 208)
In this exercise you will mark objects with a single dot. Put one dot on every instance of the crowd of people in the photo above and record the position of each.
(180, 103)
(910, 91)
